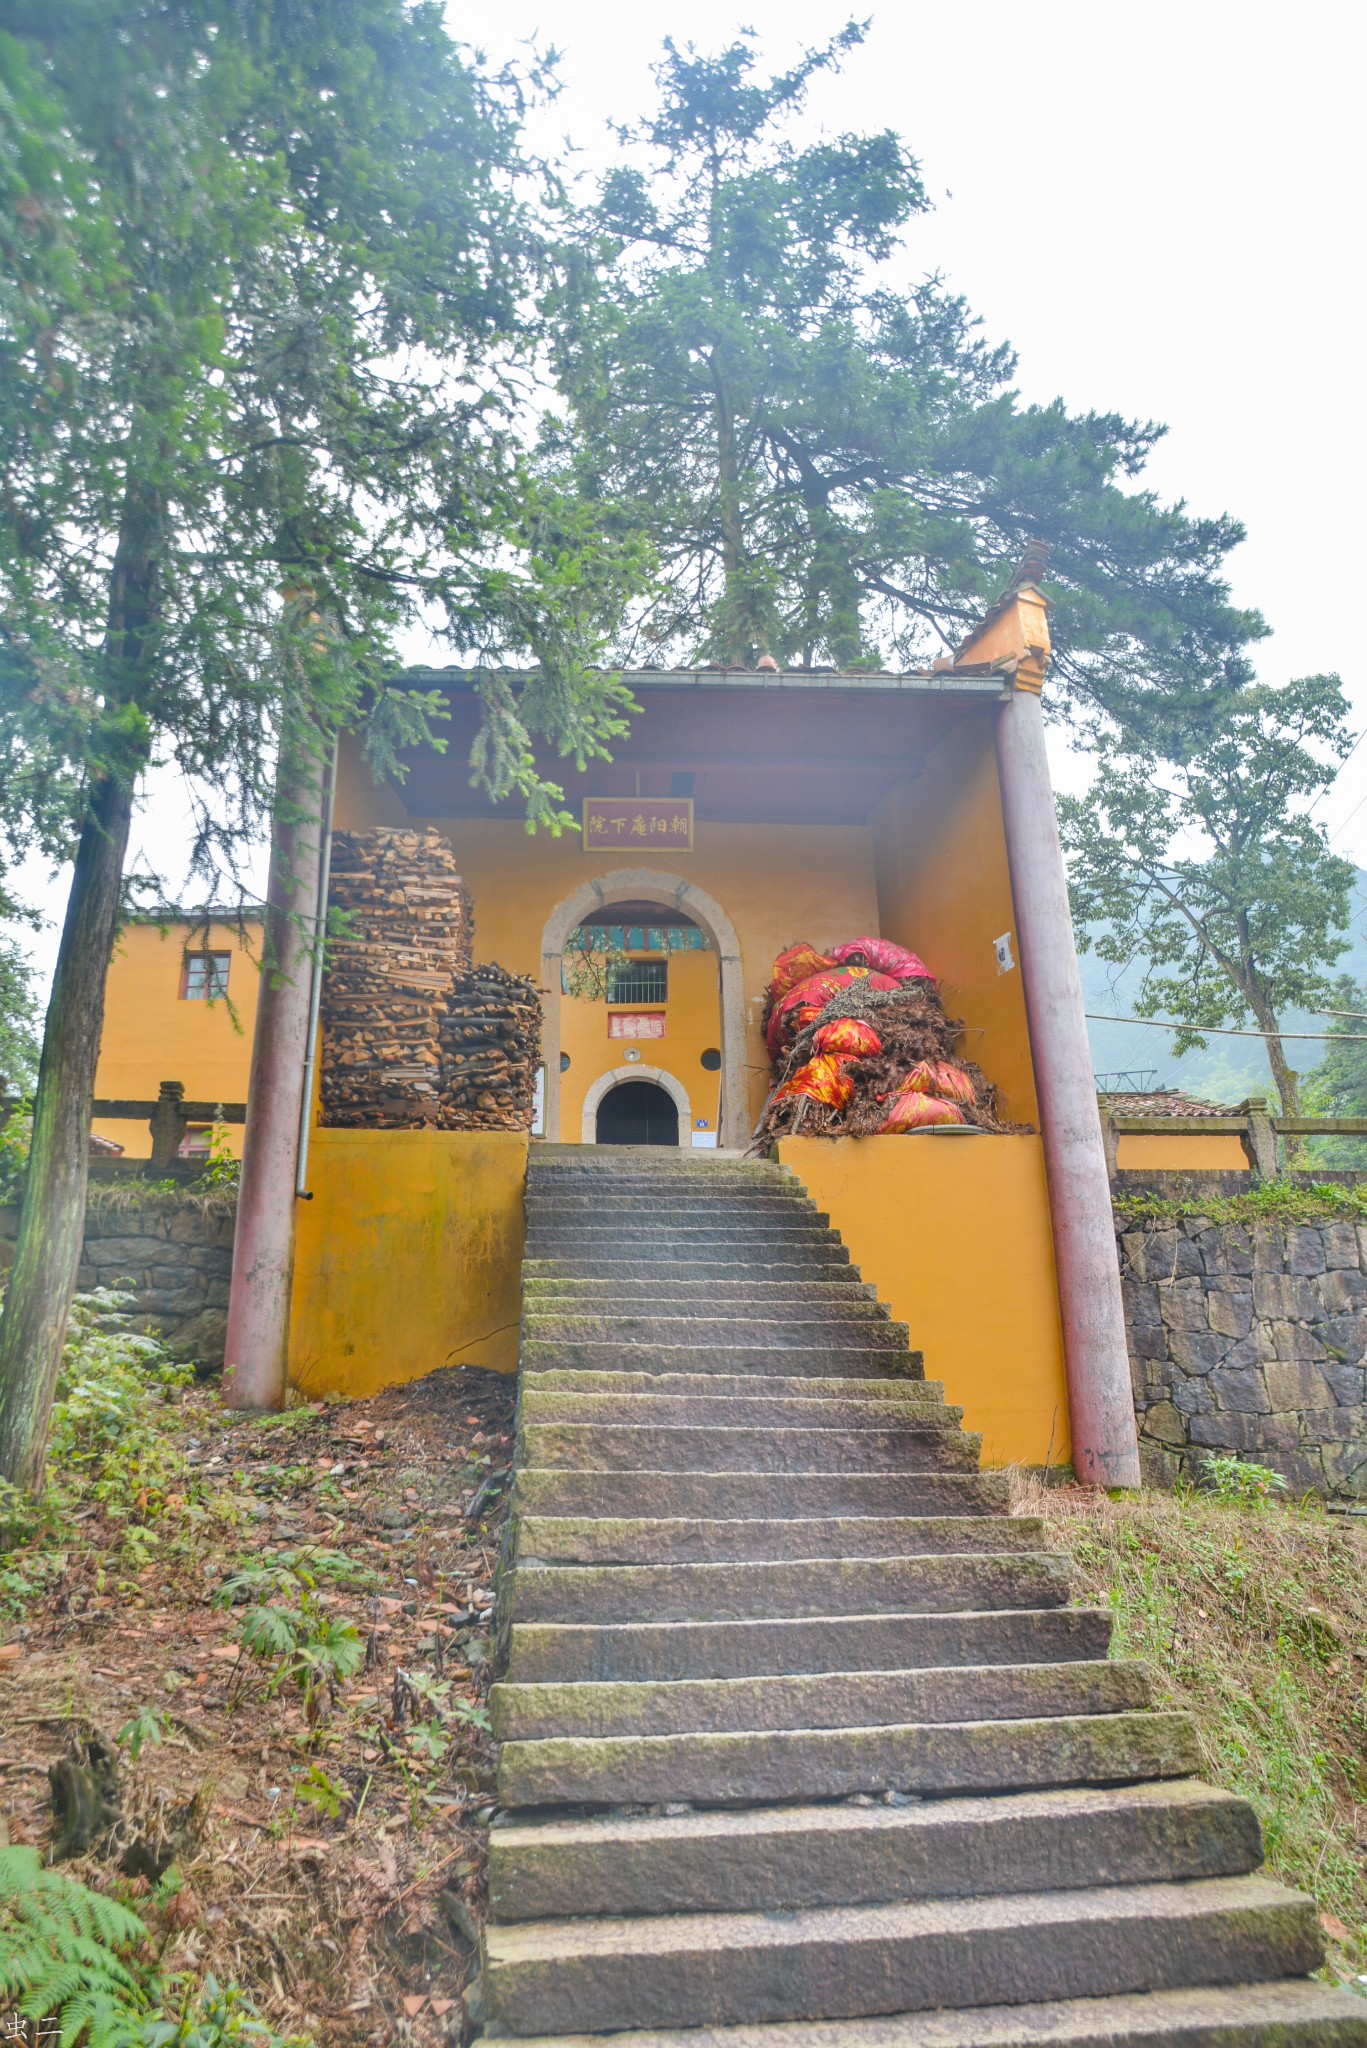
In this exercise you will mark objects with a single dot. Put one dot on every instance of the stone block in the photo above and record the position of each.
(1141, 1305)
(1182, 1304)
(1193, 1397)
(1340, 1245)
(177, 1279)
(1131, 1244)
(1159, 1254)
(1244, 1392)
(130, 1254)
(1229, 1308)
(1293, 1297)
(1331, 1425)
(1296, 1383)
(1164, 1423)
(1158, 1467)
(1304, 1249)
(1296, 1340)
(1344, 1338)
(1236, 1247)
(1347, 1383)
(191, 1226)
(1269, 1248)
(1302, 1470)
(1345, 1466)
(1342, 1291)
(172, 1301)
(1197, 1352)
(1251, 1435)
(216, 1293)
(1145, 1342)
(1254, 1349)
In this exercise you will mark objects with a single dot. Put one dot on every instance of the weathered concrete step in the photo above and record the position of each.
(734, 1411)
(614, 1447)
(844, 1355)
(942, 1584)
(1291, 2013)
(680, 1539)
(783, 1858)
(897, 1390)
(557, 1652)
(712, 1969)
(714, 1297)
(732, 1201)
(736, 1264)
(732, 1496)
(790, 1332)
(641, 1223)
(831, 1699)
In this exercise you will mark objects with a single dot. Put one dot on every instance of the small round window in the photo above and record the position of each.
(711, 1060)
(564, 1063)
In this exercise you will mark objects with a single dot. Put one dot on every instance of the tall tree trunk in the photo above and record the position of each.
(1284, 1076)
(52, 1221)
(731, 523)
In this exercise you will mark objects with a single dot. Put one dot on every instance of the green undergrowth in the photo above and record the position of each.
(1269, 1201)
(1252, 1615)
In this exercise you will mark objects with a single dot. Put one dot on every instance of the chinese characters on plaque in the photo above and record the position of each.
(639, 821)
(636, 1023)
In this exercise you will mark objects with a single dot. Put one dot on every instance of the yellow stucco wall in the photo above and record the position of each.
(944, 889)
(1183, 1151)
(408, 1257)
(954, 1234)
(692, 1026)
(152, 1034)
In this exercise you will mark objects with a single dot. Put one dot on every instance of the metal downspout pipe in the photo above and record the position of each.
(320, 929)
(1096, 1358)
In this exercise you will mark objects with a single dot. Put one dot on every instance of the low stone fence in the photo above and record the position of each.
(1248, 1339)
(171, 1248)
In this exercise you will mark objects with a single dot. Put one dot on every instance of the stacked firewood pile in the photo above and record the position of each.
(490, 1048)
(862, 1046)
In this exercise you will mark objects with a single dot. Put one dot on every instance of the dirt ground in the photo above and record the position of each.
(331, 1861)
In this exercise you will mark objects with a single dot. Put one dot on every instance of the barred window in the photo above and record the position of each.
(205, 979)
(640, 981)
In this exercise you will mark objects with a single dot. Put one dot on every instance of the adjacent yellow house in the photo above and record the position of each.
(180, 1005)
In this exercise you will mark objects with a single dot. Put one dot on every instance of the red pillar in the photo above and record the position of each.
(1100, 1398)
(263, 1247)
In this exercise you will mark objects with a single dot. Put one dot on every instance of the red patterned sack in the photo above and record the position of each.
(913, 1111)
(794, 964)
(850, 1036)
(810, 998)
(885, 957)
(938, 1077)
(823, 1079)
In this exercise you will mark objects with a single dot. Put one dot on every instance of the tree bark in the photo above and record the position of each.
(52, 1220)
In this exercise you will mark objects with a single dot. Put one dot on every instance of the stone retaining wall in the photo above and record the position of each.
(174, 1254)
(1249, 1340)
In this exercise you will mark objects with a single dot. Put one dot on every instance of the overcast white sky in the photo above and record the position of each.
(1161, 205)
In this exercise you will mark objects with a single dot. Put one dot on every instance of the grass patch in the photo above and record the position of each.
(1254, 1618)
(1268, 1201)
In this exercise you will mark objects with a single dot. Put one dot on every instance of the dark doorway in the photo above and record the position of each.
(638, 1113)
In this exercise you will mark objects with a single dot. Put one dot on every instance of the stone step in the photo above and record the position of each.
(832, 1699)
(784, 1858)
(944, 1584)
(718, 1969)
(1290, 2013)
(833, 1763)
(740, 1202)
(734, 1411)
(732, 1496)
(735, 1264)
(790, 1332)
(896, 1389)
(846, 1352)
(555, 1651)
(625, 1447)
(680, 1539)
(638, 1223)
(715, 1297)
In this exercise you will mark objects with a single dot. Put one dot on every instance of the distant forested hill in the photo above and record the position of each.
(1229, 1068)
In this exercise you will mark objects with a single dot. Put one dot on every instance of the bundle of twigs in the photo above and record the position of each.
(490, 1050)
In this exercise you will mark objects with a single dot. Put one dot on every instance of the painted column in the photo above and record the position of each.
(263, 1246)
(1100, 1399)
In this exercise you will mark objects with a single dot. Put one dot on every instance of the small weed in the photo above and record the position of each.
(1234, 1479)
(149, 1724)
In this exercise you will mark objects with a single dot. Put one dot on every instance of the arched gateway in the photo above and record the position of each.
(634, 885)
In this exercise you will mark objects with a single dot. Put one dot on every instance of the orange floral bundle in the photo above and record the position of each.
(822, 1080)
(939, 1077)
(914, 1110)
(850, 1036)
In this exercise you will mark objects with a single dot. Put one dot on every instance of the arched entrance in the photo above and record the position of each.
(637, 1113)
(672, 1103)
(635, 885)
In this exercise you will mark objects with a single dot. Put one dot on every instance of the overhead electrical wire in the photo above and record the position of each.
(1226, 1031)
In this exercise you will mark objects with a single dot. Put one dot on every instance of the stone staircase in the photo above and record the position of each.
(800, 1744)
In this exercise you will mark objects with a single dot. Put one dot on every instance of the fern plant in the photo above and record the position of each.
(65, 1954)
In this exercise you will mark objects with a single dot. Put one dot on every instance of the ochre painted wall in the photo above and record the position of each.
(152, 1034)
(954, 1234)
(944, 889)
(1180, 1151)
(408, 1257)
(692, 1026)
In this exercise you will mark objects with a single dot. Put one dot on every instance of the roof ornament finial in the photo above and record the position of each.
(1032, 567)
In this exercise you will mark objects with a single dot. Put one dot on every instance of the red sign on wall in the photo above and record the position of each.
(638, 821)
